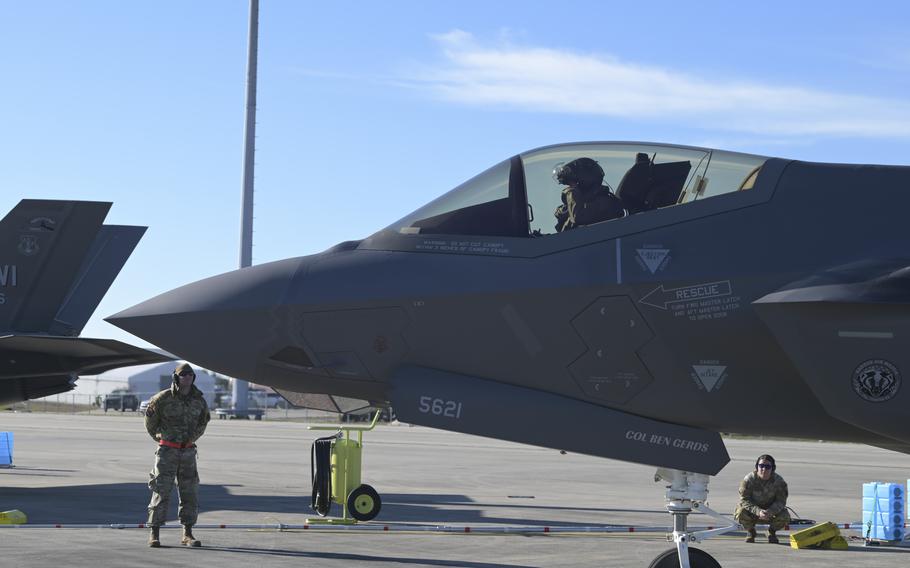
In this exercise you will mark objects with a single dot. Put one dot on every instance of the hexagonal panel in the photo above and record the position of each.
(613, 321)
(610, 378)
(613, 331)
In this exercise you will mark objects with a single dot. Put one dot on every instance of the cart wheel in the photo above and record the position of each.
(364, 503)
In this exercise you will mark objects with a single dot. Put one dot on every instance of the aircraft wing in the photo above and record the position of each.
(37, 366)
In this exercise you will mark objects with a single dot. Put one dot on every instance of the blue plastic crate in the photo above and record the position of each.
(883, 511)
(880, 533)
(884, 505)
(6, 449)
(887, 520)
(882, 490)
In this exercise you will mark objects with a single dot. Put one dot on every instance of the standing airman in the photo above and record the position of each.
(175, 419)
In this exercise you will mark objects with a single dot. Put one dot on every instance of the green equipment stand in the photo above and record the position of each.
(358, 500)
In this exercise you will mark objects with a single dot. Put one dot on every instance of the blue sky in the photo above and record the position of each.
(369, 110)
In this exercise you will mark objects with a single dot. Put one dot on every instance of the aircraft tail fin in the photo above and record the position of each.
(108, 253)
(46, 242)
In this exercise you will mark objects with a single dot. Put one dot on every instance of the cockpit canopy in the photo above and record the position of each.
(518, 197)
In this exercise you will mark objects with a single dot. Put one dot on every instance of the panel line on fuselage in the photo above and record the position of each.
(866, 334)
(618, 261)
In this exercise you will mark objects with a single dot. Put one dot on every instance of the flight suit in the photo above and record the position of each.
(175, 420)
(757, 495)
(582, 206)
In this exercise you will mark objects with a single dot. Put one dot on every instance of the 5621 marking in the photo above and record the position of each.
(439, 407)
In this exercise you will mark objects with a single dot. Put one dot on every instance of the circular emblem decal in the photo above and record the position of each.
(28, 245)
(876, 380)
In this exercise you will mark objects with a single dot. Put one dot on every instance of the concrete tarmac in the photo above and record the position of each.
(72, 469)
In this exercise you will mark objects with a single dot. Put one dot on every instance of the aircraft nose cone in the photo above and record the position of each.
(221, 322)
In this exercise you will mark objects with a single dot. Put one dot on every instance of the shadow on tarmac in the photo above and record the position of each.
(126, 503)
(32, 471)
(460, 509)
(362, 557)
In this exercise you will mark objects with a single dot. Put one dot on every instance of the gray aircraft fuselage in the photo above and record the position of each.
(773, 308)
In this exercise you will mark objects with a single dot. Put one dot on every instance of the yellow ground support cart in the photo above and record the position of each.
(14, 517)
(335, 468)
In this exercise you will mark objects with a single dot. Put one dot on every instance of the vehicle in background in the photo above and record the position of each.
(256, 398)
(275, 400)
(144, 405)
(121, 401)
(366, 414)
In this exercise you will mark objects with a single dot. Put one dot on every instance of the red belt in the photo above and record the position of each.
(176, 444)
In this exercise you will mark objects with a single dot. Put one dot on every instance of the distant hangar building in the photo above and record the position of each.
(143, 381)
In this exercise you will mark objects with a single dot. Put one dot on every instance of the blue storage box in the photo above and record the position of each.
(883, 511)
(6, 449)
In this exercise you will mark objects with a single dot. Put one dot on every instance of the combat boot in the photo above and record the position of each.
(772, 538)
(154, 540)
(188, 538)
(751, 537)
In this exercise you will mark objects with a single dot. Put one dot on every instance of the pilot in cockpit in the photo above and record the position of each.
(585, 199)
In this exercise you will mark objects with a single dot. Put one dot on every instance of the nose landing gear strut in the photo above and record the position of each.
(687, 492)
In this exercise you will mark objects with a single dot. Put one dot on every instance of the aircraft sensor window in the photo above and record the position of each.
(749, 182)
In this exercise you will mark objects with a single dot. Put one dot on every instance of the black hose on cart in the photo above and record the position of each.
(321, 473)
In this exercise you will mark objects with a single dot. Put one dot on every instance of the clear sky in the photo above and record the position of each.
(368, 110)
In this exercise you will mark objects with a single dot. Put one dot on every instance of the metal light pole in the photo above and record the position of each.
(240, 391)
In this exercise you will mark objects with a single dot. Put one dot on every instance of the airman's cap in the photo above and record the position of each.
(183, 368)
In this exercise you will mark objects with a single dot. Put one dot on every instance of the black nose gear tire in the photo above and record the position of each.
(697, 559)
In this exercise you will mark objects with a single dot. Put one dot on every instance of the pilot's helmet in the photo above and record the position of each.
(579, 172)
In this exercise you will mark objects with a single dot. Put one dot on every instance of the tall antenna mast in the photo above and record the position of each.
(249, 136)
(240, 391)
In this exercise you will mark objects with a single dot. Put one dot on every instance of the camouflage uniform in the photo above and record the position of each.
(586, 206)
(757, 495)
(180, 419)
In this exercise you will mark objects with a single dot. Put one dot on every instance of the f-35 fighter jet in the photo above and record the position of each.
(58, 262)
(728, 293)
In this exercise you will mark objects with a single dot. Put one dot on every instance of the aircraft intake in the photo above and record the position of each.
(845, 340)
